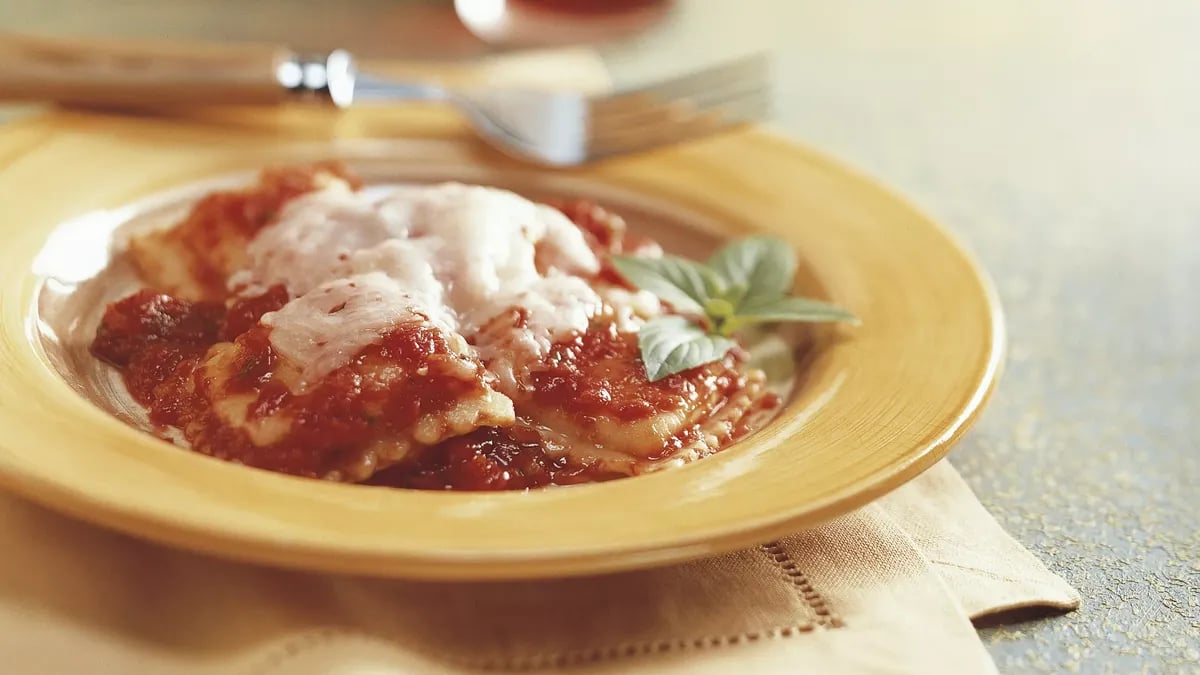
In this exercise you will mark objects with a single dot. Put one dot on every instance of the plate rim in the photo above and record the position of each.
(296, 555)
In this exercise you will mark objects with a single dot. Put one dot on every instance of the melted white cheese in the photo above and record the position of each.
(310, 241)
(553, 306)
(454, 254)
(324, 328)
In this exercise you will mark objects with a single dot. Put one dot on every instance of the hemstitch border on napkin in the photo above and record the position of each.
(804, 588)
(826, 618)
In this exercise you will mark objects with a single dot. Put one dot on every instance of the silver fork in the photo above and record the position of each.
(548, 127)
(566, 129)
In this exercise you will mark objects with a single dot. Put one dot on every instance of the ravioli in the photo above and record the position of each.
(441, 336)
(193, 259)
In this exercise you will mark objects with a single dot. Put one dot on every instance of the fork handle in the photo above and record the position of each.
(123, 74)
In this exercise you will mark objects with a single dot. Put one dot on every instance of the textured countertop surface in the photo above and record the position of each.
(1061, 141)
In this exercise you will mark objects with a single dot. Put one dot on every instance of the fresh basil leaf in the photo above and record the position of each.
(764, 266)
(672, 344)
(685, 284)
(735, 293)
(790, 309)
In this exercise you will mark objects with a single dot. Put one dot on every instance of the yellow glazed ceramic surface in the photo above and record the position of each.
(875, 405)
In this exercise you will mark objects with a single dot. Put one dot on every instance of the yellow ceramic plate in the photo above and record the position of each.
(874, 406)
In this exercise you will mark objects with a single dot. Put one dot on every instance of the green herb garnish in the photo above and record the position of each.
(742, 284)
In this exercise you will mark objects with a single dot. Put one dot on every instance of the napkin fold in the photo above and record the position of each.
(890, 588)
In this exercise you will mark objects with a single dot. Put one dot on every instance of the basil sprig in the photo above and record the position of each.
(744, 283)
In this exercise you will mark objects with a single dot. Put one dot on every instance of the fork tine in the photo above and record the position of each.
(567, 130)
(600, 124)
(677, 111)
(745, 70)
(702, 122)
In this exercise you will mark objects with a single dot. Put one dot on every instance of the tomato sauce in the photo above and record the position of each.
(237, 215)
(600, 373)
(209, 369)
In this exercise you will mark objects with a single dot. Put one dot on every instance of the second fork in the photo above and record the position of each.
(544, 126)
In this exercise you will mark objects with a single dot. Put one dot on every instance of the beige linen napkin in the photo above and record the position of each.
(888, 589)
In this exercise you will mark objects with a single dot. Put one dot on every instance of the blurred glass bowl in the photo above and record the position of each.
(544, 23)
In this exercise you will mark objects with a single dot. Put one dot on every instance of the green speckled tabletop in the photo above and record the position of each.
(1061, 141)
